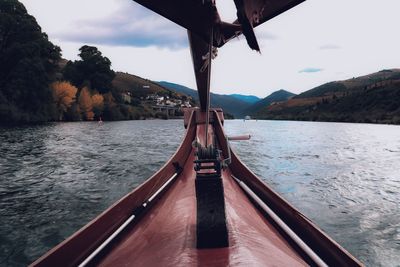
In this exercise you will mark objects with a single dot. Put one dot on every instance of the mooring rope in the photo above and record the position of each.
(208, 83)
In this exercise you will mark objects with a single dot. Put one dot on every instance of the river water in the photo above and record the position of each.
(54, 178)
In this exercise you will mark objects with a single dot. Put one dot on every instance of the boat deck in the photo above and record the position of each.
(167, 233)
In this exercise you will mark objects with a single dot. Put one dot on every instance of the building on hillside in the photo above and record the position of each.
(186, 104)
(170, 103)
(152, 97)
(126, 97)
(160, 99)
(156, 98)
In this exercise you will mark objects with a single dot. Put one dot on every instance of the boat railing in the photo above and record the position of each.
(282, 225)
(111, 238)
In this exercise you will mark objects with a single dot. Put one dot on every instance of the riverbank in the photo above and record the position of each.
(307, 119)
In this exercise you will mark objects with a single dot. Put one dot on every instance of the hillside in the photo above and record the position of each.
(137, 85)
(354, 84)
(277, 96)
(230, 104)
(143, 94)
(370, 98)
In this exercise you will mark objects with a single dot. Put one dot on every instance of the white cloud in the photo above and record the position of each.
(129, 25)
(310, 70)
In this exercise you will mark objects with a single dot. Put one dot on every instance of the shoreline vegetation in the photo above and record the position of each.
(37, 85)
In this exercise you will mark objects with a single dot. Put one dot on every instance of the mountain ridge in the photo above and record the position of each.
(247, 98)
(280, 95)
(372, 98)
(230, 104)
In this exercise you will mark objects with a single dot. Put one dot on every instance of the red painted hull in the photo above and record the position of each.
(166, 232)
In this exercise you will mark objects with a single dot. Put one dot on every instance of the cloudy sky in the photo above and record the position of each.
(316, 42)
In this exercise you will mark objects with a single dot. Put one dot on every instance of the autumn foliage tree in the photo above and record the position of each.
(86, 104)
(64, 95)
(98, 104)
(93, 70)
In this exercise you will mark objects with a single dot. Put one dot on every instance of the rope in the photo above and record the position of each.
(208, 83)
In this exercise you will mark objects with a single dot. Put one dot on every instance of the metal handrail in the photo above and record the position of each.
(124, 225)
(307, 250)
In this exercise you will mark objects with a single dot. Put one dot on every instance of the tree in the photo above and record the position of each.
(28, 61)
(86, 104)
(111, 109)
(98, 104)
(64, 95)
(93, 70)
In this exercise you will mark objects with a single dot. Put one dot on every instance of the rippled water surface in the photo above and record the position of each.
(344, 177)
(55, 178)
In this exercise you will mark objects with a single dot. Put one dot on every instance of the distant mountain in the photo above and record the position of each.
(370, 98)
(246, 98)
(281, 95)
(230, 104)
(352, 84)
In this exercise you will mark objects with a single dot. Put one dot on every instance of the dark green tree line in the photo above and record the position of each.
(28, 61)
(93, 70)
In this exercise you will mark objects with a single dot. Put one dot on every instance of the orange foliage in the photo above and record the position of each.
(64, 95)
(98, 104)
(98, 101)
(86, 104)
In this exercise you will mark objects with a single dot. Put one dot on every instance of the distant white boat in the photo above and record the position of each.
(247, 118)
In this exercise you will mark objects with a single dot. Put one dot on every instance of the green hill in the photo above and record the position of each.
(281, 95)
(138, 86)
(246, 98)
(353, 84)
(370, 98)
